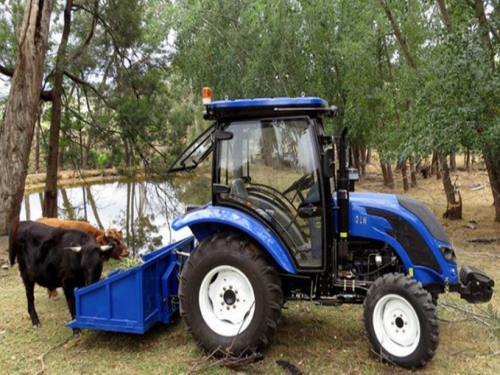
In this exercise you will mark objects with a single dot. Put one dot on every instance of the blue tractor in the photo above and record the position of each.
(285, 223)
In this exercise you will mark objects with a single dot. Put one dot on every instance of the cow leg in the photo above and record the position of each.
(70, 299)
(30, 295)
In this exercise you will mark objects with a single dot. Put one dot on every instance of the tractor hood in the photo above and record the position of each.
(410, 228)
(398, 204)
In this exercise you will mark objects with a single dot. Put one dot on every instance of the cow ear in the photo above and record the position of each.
(76, 249)
(100, 240)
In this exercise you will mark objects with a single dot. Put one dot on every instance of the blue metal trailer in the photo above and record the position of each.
(134, 300)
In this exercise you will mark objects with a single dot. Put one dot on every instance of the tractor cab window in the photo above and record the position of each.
(272, 169)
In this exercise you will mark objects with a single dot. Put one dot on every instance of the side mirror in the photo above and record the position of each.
(328, 168)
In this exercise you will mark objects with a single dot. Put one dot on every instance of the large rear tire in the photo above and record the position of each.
(401, 321)
(230, 295)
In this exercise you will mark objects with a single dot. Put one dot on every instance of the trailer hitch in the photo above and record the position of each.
(474, 286)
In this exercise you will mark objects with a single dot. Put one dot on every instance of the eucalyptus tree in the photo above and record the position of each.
(21, 110)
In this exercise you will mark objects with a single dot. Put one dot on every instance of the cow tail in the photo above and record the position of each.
(13, 241)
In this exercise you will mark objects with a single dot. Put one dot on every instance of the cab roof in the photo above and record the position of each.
(268, 107)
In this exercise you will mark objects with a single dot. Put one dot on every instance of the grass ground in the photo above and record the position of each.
(318, 340)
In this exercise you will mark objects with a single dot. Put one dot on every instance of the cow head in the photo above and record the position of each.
(92, 257)
(114, 236)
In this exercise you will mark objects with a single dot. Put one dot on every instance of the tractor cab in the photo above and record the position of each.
(272, 161)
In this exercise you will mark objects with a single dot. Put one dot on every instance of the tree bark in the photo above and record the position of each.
(454, 207)
(404, 173)
(494, 175)
(435, 165)
(50, 201)
(390, 176)
(413, 174)
(453, 162)
(37, 145)
(399, 35)
(93, 206)
(384, 173)
(445, 16)
(16, 134)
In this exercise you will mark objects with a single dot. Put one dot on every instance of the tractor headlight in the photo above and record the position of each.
(448, 254)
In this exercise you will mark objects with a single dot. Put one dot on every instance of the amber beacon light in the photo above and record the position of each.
(207, 95)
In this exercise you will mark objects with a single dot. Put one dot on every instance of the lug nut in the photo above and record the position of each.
(234, 306)
(237, 300)
(230, 287)
(222, 303)
(224, 288)
(221, 295)
(228, 307)
(236, 291)
(397, 331)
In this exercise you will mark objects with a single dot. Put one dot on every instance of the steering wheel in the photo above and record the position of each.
(305, 182)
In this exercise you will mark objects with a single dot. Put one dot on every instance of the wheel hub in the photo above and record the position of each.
(396, 325)
(227, 300)
(229, 297)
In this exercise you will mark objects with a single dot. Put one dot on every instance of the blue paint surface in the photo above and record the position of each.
(200, 222)
(269, 102)
(134, 300)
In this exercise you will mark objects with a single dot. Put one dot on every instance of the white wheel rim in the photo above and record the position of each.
(396, 325)
(226, 296)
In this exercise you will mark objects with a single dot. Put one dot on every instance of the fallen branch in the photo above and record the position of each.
(41, 358)
(484, 239)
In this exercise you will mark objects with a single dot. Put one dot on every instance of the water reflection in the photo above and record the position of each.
(144, 210)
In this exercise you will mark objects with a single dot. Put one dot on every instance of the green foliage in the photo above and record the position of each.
(102, 161)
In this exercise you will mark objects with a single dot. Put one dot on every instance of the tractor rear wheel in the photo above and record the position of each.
(230, 295)
(401, 321)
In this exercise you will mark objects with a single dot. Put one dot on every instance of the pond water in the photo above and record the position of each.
(143, 209)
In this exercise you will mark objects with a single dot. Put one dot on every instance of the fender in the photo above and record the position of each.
(201, 222)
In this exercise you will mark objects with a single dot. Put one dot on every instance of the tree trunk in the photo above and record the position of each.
(390, 176)
(413, 174)
(67, 205)
(453, 162)
(27, 207)
(369, 155)
(404, 173)
(467, 161)
(454, 206)
(93, 206)
(362, 161)
(435, 165)
(384, 173)
(50, 201)
(37, 140)
(494, 175)
(399, 35)
(16, 134)
(355, 156)
(443, 11)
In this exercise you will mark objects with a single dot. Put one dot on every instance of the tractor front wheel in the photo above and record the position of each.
(230, 295)
(401, 321)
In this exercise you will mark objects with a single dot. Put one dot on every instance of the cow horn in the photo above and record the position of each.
(76, 249)
(106, 247)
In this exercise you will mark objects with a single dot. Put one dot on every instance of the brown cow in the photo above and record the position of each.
(101, 237)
